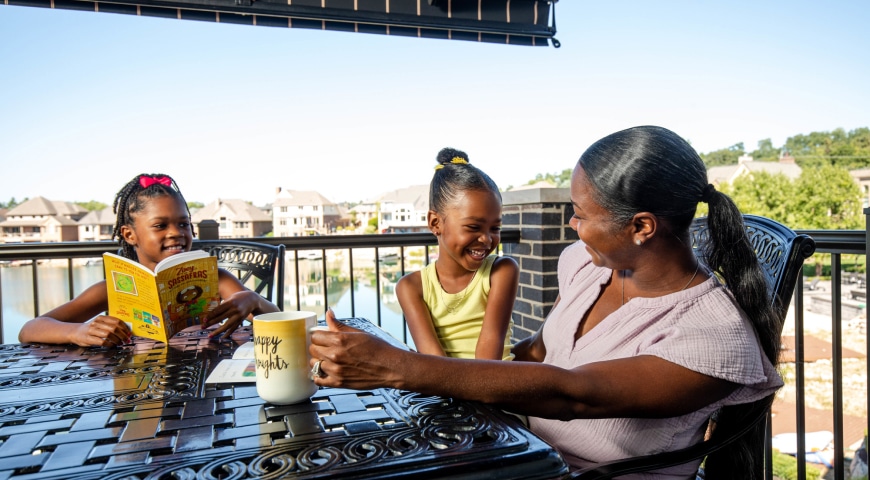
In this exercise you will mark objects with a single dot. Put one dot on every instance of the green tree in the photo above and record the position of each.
(92, 205)
(765, 152)
(12, 203)
(372, 226)
(849, 150)
(765, 194)
(826, 198)
(724, 156)
(193, 205)
(560, 180)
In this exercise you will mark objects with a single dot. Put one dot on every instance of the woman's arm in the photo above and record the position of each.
(409, 291)
(503, 282)
(237, 303)
(642, 386)
(69, 323)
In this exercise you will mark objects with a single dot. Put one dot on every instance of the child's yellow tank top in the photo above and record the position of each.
(458, 317)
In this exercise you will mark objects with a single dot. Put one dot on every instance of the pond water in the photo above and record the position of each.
(16, 287)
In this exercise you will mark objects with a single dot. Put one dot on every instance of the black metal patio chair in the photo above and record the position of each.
(259, 266)
(781, 253)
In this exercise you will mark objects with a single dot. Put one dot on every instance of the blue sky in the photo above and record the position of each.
(88, 100)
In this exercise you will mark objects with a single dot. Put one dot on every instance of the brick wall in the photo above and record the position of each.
(542, 217)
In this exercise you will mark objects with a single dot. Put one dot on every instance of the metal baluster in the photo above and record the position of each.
(800, 397)
(352, 299)
(837, 363)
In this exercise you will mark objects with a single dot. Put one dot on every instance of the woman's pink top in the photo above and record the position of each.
(701, 328)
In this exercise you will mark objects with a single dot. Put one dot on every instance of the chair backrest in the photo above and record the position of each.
(259, 266)
(781, 253)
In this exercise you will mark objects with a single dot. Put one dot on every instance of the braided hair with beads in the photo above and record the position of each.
(132, 198)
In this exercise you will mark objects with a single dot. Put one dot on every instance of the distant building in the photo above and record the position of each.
(363, 213)
(97, 225)
(297, 213)
(862, 177)
(42, 220)
(746, 166)
(236, 218)
(534, 185)
(404, 210)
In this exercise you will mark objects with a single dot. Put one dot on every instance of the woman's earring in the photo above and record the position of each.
(638, 242)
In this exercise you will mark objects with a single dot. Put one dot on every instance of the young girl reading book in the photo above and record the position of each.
(460, 305)
(153, 223)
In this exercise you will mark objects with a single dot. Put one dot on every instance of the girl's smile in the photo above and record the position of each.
(469, 230)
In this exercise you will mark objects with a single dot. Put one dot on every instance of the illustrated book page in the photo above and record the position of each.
(240, 368)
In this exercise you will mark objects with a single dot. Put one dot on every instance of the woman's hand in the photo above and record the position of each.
(102, 331)
(235, 309)
(350, 358)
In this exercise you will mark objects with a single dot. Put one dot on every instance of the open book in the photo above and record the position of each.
(178, 294)
(240, 368)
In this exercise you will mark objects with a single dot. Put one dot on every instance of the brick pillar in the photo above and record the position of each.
(208, 230)
(542, 215)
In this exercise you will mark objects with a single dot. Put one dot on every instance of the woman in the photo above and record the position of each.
(643, 345)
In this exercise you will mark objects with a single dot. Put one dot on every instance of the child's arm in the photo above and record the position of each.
(68, 323)
(237, 304)
(503, 281)
(409, 291)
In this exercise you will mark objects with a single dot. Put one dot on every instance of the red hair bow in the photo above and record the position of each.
(146, 181)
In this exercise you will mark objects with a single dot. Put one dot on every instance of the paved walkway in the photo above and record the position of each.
(785, 413)
(814, 349)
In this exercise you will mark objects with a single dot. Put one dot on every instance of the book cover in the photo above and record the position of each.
(178, 294)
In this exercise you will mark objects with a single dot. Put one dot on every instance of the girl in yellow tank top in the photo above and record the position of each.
(461, 305)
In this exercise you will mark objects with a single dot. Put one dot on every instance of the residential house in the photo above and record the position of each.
(746, 166)
(42, 220)
(297, 213)
(236, 218)
(97, 225)
(362, 213)
(533, 186)
(404, 210)
(862, 178)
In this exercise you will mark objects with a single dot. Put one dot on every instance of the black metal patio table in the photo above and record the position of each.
(145, 412)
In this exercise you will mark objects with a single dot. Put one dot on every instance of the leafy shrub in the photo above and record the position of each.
(785, 468)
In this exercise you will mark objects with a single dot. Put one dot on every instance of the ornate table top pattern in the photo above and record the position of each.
(145, 412)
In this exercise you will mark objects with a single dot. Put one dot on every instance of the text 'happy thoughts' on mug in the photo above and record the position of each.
(281, 341)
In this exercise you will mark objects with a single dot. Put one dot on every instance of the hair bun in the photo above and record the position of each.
(451, 156)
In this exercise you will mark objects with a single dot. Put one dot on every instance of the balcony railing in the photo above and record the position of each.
(32, 254)
(835, 243)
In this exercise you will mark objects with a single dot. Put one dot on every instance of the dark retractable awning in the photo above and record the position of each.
(516, 22)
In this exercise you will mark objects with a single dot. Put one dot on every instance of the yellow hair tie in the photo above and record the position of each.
(456, 160)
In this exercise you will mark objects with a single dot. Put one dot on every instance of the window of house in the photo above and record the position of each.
(283, 209)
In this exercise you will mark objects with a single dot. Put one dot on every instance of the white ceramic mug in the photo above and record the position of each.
(281, 341)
